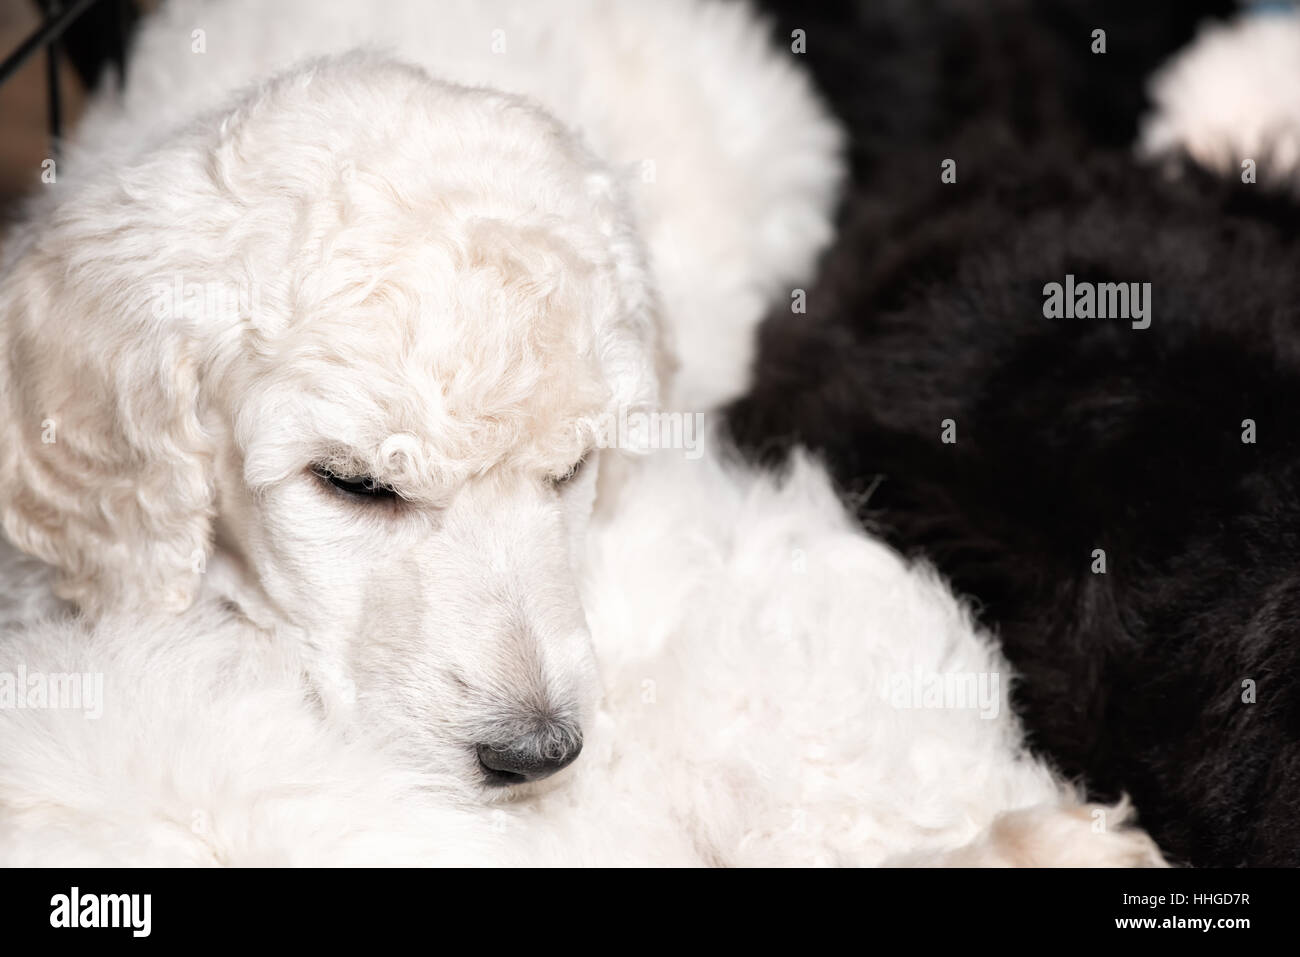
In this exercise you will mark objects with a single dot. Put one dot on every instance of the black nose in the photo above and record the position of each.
(530, 757)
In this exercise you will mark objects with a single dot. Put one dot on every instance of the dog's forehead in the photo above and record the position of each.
(439, 381)
(492, 303)
(461, 277)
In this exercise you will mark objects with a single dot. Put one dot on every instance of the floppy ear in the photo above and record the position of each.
(106, 472)
(638, 346)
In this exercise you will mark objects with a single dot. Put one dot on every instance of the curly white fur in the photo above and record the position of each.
(244, 277)
(1233, 95)
(731, 161)
(359, 267)
(749, 636)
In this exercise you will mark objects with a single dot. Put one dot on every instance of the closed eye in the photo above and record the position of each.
(570, 475)
(361, 486)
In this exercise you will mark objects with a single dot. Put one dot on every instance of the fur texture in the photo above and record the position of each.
(399, 323)
(730, 161)
(751, 640)
(1233, 96)
(906, 75)
(250, 287)
(1173, 675)
(448, 294)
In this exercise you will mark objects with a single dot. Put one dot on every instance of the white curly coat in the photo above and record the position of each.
(750, 638)
(442, 287)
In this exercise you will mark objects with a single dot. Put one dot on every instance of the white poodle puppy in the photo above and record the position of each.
(778, 691)
(368, 450)
(1232, 95)
(297, 397)
(732, 163)
(333, 349)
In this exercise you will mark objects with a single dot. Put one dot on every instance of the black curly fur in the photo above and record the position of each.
(1072, 434)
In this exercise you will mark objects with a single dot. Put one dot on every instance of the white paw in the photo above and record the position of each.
(1057, 835)
(1232, 95)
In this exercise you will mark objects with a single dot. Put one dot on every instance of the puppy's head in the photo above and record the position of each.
(337, 353)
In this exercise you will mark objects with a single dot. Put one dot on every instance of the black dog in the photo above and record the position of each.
(1120, 496)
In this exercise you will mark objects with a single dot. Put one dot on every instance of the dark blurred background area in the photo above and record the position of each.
(89, 52)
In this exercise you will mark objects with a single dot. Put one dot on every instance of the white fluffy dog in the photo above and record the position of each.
(333, 349)
(731, 163)
(370, 457)
(297, 395)
(759, 655)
